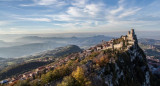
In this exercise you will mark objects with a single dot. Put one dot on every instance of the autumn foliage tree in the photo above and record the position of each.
(77, 78)
(103, 60)
(80, 77)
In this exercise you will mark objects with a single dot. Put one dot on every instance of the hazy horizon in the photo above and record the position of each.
(140, 34)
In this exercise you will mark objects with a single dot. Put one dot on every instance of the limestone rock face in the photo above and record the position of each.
(129, 69)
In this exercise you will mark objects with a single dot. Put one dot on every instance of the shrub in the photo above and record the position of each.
(46, 78)
(102, 60)
(67, 81)
(35, 83)
(55, 74)
(22, 83)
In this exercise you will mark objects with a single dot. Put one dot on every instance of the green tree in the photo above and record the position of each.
(35, 83)
(46, 78)
(22, 83)
(55, 74)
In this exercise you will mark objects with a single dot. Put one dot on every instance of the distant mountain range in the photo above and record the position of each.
(149, 41)
(33, 44)
(27, 49)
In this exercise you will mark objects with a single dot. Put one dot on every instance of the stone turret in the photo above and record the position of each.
(132, 32)
(132, 38)
(131, 35)
(128, 32)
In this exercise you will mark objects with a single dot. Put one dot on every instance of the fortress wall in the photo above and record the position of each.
(131, 42)
(130, 38)
(109, 47)
(98, 48)
(117, 46)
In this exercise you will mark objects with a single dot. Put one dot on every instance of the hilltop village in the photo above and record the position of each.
(124, 42)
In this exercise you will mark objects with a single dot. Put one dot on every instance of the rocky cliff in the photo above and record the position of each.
(129, 69)
(126, 66)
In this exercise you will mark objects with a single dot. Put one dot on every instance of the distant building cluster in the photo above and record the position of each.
(152, 58)
(154, 65)
(38, 71)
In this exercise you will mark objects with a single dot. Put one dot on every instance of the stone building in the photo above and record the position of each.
(117, 46)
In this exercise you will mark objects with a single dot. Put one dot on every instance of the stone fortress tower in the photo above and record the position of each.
(131, 35)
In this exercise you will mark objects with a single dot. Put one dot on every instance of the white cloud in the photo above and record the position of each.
(112, 13)
(87, 11)
(121, 1)
(27, 5)
(78, 14)
(10, 0)
(129, 12)
(92, 9)
(60, 17)
(3, 23)
(79, 3)
(45, 3)
(36, 19)
(75, 12)
(115, 11)
(23, 30)
(12, 31)
(122, 10)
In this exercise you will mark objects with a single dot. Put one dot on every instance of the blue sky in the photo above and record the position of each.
(69, 16)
